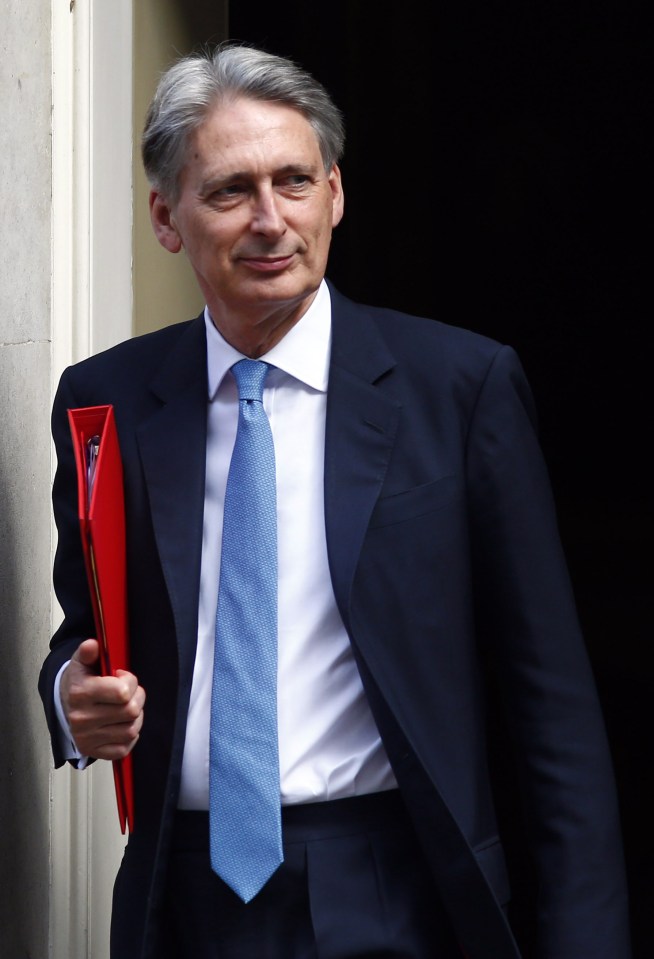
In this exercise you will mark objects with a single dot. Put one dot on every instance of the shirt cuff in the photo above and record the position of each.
(66, 741)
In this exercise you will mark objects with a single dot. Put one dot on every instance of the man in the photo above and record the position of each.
(416, 557)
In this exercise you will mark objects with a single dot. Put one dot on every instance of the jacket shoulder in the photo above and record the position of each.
(417, 339)
(137, 348)
(132, 361)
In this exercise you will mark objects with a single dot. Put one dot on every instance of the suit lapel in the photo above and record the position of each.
(360, 432)
(172, 445)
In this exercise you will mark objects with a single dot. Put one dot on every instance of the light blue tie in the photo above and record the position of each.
(244, 798)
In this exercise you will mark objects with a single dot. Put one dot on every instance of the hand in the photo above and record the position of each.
(105, 713)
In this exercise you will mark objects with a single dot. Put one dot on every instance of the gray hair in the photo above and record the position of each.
(196, 83)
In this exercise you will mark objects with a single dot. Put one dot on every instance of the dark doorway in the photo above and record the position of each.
(494, 176)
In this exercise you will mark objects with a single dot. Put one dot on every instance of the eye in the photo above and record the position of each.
(231, 189)
(294, 183)
(227, 195)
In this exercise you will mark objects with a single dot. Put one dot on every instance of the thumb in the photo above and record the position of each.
(87, 653)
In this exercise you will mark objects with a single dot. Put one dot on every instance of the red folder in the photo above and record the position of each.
(102, 525)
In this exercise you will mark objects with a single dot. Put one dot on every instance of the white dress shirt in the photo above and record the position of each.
(329, 745)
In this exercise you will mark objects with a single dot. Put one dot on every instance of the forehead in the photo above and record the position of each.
(255, 131)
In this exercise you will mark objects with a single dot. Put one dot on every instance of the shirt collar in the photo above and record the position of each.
(302, 353)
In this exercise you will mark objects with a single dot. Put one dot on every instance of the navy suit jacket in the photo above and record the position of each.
(447, 567)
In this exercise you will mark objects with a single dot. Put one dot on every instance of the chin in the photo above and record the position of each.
(283, 289)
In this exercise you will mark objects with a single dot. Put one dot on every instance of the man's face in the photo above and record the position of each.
(255, 215)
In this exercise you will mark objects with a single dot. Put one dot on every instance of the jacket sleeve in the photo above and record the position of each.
(529, 631)
(70, 582)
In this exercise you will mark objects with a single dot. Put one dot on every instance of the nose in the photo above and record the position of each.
(266, 215)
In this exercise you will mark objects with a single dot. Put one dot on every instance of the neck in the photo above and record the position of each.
(256, 333)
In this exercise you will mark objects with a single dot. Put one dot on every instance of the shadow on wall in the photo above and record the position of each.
(24, 627)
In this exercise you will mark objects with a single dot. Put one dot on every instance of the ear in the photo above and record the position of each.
(338, 198)
(163, 223)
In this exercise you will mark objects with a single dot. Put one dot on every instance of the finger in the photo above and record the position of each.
(96, 723)
(110, 742)
(111, 752)
(107, 727)
(85, 690)
(91, 710)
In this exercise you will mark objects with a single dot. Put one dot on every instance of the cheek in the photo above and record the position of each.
(210, 245)
(322, 230)
(325, 235)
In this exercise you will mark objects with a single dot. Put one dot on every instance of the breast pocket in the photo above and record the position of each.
(415, 502)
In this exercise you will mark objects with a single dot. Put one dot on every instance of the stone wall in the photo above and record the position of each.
(25, 469)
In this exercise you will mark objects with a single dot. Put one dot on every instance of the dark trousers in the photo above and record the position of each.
(353, 884)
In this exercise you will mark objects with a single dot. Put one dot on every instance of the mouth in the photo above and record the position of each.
(267, 264)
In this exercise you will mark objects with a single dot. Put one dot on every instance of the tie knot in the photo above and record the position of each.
(250, 376)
